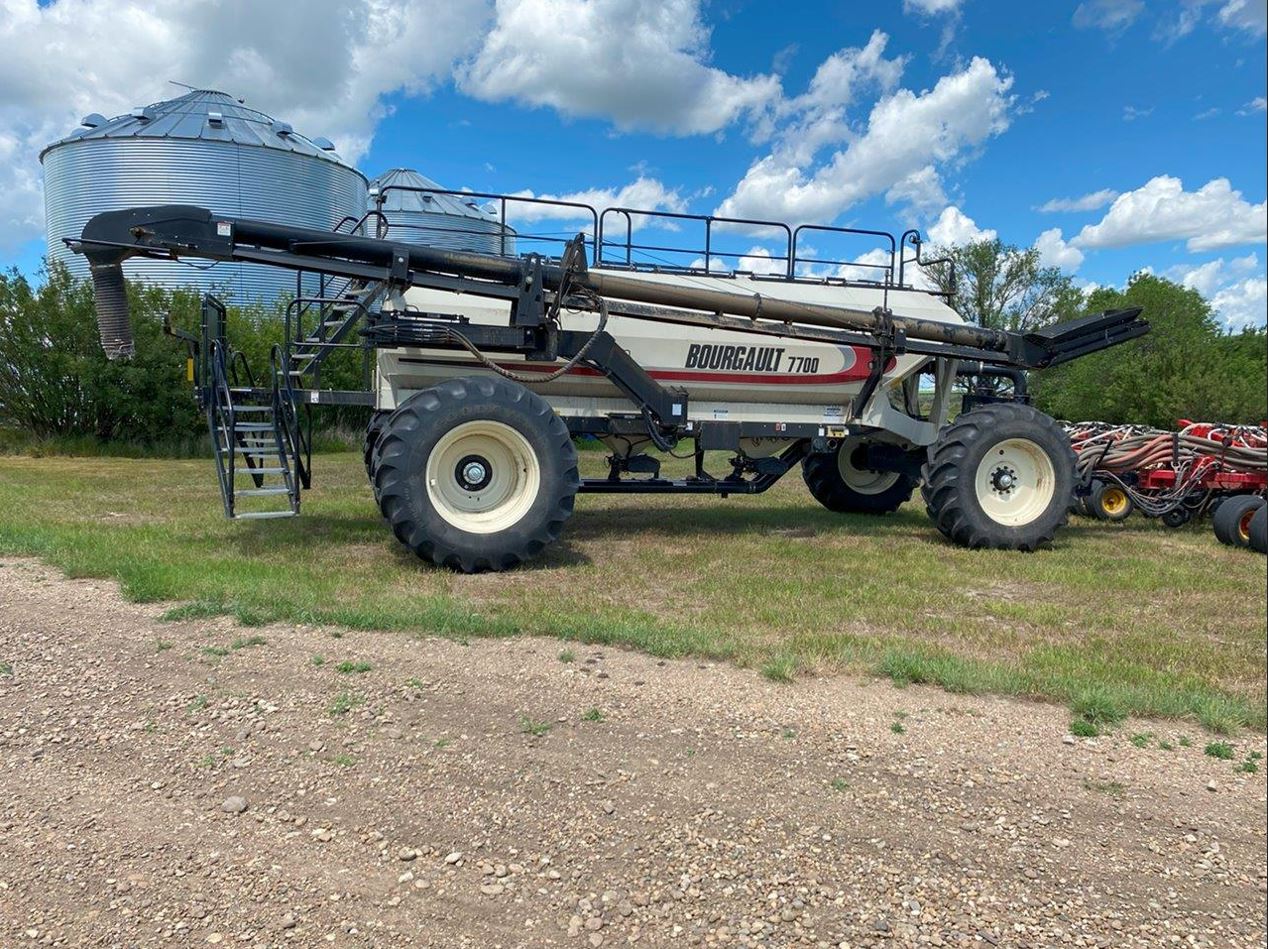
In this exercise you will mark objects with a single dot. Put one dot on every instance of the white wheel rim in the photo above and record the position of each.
(1015, 482)
(483, 476)
(862, 480)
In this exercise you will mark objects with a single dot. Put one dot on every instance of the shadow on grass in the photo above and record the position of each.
(310, 531)
(735, 517)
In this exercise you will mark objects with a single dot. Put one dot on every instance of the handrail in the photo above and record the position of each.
(221, 410)
(912, 237)
(862, 232)
(286, 420)
(502, 200)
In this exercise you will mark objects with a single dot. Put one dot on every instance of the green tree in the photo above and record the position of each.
(1185, 367)
(55, 381)
(1000, 286)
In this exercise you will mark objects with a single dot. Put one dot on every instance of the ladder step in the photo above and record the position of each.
(261, 492)
(252, 408)
(248, 427)
(262, 515)
(258, 471)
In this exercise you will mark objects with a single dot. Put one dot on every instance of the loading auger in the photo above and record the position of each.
(487, 367)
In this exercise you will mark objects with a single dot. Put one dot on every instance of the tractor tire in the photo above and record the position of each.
(1177, 517)
(1259, 530)
(1231, 522)
(372, 432)
(840, 484)
(1000, 476)
(1109, 502)
(476, 474)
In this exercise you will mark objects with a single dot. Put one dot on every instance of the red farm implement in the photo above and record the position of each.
(1193, 471)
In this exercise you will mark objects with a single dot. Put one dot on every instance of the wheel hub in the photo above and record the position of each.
(1003, 480)
(473, 472)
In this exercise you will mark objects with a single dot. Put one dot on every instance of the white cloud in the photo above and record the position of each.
(1257, 104)
(921, 190)
(870, 265)
(906, 134)
(1108, 15)
(1055, 252)
(1235, 288)
(324, 68)
(1243, 303)
(1214, 216)
(931, 7)
(1131, 113)
(955, 227)
(648, 194)
(759, 260)
(1087, 202)
(641, 65)
(1248, 15)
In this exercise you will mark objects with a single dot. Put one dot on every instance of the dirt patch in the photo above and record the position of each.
(155, 793)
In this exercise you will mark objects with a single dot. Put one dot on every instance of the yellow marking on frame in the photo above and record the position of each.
(189, 368)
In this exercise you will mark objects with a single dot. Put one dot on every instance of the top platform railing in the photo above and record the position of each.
(610, 239)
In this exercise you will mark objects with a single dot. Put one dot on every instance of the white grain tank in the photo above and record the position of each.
(417, 213)
(207, 149)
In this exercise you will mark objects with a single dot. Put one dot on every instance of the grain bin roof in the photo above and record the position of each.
(205, 115)
(424, 203)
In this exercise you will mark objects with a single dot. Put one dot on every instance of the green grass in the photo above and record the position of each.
(351, 667)
(6, 668)
(343, 703)
(1138, 620)
(594, 715)
(1221, 750)
(1082, 728)
(532, 727)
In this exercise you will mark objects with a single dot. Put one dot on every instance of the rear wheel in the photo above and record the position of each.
(840, 481)
(1177, 517)
(1231, 522)
(1000, 476)
(1110, 502)
(476, 474)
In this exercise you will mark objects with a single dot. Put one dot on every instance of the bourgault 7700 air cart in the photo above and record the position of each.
(486, 367)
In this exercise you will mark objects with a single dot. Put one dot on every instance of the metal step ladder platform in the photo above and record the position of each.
(255, 439)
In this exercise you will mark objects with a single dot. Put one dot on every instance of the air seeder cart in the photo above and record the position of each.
(486, 367)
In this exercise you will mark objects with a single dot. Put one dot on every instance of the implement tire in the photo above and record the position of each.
(1000, 476)
(475, 474)
(839, 482)
(1232, 520)
(1109, 502)
(1259, 530)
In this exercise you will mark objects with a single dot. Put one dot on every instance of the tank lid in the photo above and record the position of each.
(203, 114)
(412, 196)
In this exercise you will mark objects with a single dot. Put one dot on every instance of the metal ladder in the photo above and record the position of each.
(338, 313)
(340, 305)
(253, 441)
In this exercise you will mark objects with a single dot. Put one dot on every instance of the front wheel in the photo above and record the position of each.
(1000, 476)
(476, 474)
(842, 482)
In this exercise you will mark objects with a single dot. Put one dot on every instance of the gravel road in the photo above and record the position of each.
(160, 787)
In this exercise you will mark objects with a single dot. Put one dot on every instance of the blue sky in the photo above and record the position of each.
(959, 117)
